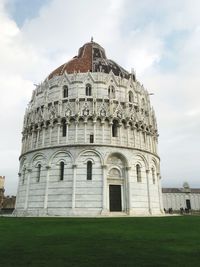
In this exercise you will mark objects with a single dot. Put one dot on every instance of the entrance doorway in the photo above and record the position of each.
(188, 204)
(115, 198)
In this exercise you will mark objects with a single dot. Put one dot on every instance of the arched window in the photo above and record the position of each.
(89, 170)
(62, 168)
(130, 96)
(111, 91)
(64, 128)
(88, 90)
(153, 175)
(38, 172)
(138, 173)
(114, 129)
(65, 91)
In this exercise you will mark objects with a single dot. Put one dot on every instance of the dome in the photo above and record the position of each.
(91, 57)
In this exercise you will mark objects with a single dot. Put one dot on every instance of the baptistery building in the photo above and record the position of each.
(89, 143)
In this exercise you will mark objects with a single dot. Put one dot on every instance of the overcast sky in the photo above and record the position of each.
(159, 39)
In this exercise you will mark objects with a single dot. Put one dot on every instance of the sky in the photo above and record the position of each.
(159, 39)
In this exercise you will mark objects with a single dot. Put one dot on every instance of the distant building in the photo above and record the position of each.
(7, 203)
(2, 180)
(177, 198)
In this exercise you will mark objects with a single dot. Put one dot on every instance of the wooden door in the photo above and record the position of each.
(115, 198)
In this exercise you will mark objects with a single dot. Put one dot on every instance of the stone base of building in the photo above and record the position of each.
(83, 213)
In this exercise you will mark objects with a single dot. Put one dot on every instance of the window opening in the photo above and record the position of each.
(62, 166)
(64, 128)
(111, 91)
(114, 129)
(38, 172)
(88, 90)
(138, 172)
(65, 91)
(91, 138)
(89, 170)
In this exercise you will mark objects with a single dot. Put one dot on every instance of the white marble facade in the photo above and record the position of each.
(94, 117)
(185, 198)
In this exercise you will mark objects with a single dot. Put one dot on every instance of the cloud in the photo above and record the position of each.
(160, 40)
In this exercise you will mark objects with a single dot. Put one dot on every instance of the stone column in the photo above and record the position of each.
(27, 189)
(26, 141)
(32, 135)
(140, 146)
(94, 130)
(120, 133)
(104, 184)
(134, 137)
(145, 140)
(18, 187)
(85, 131)
(156, 142)
(67, 131)
(76, 131)
(110, 123)
(50, 133)
(148, 192)
(74, 187)
(43, 135)
(160, 193)
(102, 125)
(129, 204)
(58, 131)
(127, 128)
(46, 188)
(38, 136)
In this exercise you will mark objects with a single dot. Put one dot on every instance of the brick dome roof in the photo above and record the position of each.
(91, 57)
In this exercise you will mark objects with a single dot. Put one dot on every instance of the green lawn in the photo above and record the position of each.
(168, 241)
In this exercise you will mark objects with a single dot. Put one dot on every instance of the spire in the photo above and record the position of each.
(91, 39)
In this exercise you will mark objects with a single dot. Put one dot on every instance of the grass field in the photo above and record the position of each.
(168, 241)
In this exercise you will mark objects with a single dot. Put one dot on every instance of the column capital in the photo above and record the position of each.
(29, 170)
(48, 167)
(147, 171)
(74, 166)
(104, 166)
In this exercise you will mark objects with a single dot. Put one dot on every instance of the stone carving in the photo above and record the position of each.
(67, 109)
(115, 161)
(103, 111)
(52, 112)
(114, 173)
(85, 109)
(118, 112)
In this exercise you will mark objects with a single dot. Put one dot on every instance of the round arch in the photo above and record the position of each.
(143, 158)
(156, 164)
(86, 151)
(118, 154)
(38, 155)
(59, 152)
